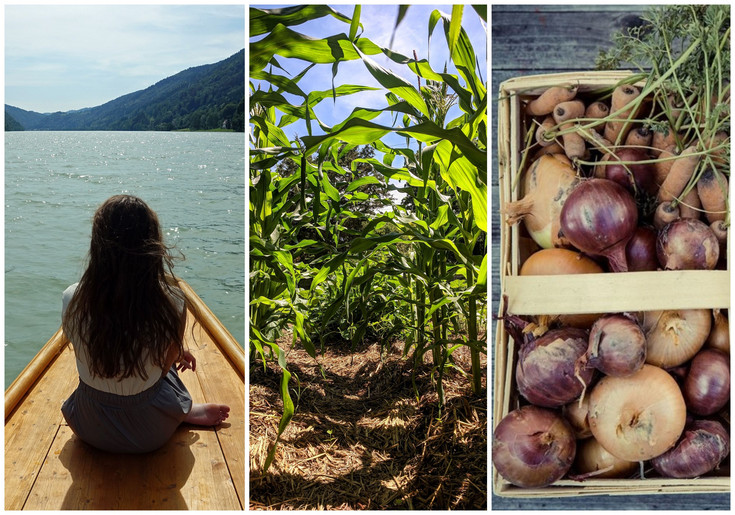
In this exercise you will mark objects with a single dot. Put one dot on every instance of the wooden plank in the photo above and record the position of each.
(221, 384)
(33, 371)
(187, 473)
(560, 41)
(608, 293)
(32, 427)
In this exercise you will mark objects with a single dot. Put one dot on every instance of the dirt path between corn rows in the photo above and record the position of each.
(361, 440)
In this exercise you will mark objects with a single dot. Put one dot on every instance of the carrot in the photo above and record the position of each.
(573, 143)
(595, 111)
(663, 166)
(690, 205)
(622, 96)
(599, 170)
(665, 213)
(712, 189)
(541, 130)
(640, 137)
(679, 175)
(718, 155)
(554, 148)
(719, 227)
(662, 140)
(544, 104)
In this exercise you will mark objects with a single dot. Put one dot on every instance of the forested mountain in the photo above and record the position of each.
(204, 97)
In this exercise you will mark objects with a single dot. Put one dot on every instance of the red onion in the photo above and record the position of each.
(533, 447)
(640, 252)
(687, 244)
(701, 448)
(547, 373)
(599, 217)
(636, 178)
(707, 385)
(617, 346)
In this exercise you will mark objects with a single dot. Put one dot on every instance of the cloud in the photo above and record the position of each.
(105, 50)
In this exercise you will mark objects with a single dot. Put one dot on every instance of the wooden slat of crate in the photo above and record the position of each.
(608, 292)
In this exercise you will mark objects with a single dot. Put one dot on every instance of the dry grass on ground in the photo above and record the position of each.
(360, 440)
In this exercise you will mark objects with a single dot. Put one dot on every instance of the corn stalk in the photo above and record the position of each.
(305, 259)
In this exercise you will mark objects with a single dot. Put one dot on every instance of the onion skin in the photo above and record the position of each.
(592, 457)
(546, 185)
(599, 217)
(640, 251)
(638, 417)
(576, 414)
(547, 374)
(707, 385)
(533, 447)
(636, 178)
(719, 335)
(674, 336)
(617, 346)
(704, 444)
(687, 244)
(559, 262)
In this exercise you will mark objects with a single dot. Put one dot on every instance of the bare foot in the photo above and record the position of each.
(207, 414)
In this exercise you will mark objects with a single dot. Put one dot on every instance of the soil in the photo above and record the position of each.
(361, 438)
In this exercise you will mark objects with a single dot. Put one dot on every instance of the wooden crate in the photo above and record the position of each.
(601, 293)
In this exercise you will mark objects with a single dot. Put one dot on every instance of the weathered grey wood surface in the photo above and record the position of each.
(535, 39)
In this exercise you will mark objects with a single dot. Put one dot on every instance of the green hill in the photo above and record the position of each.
(200, 98)
(11, 124)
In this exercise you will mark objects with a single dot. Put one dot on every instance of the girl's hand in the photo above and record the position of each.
(188, 361)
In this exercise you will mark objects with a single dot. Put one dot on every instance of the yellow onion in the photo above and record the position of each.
(637, 417)
(594, 461)
(576, 414)
(546, 185)
(675, 336)
(719, 335)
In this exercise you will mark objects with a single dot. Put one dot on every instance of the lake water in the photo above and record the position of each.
(54, 181)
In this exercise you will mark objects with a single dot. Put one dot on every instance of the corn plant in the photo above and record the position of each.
(418, 272)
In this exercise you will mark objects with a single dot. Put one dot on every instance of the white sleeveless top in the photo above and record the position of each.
(132, 385)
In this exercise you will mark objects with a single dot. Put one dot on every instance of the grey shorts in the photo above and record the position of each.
(128, 423)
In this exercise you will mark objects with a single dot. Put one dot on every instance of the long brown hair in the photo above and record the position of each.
(123, 310)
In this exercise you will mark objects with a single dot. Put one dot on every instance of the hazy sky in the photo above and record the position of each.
(378, 22)
(60, 58)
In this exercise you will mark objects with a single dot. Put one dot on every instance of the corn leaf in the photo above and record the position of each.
(291, 44)
(355, 22)
(362, 181)
(396, 84)
(455, 26)
(461, 174)
(265, 20)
